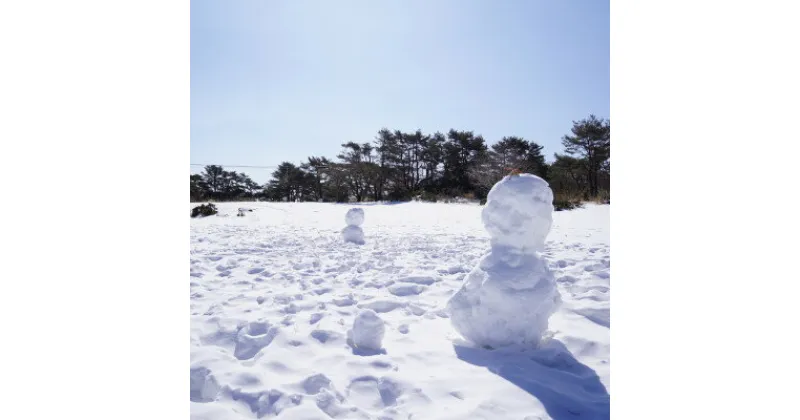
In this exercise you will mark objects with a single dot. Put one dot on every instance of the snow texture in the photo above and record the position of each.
(510, 295)
(274, 297)
(368, 330)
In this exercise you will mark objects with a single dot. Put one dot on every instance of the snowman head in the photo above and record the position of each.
(354, 217)
(519, 212)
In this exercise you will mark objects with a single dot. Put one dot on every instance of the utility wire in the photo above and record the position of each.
(234, 166)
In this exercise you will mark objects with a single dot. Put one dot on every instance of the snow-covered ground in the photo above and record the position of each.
(274, 297)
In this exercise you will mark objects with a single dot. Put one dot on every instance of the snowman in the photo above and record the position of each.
(510, 295)
(353, 232)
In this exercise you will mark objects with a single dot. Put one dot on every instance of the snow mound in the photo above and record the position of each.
(368, 330)
(354, 217)
(509, 297)
(353, 234)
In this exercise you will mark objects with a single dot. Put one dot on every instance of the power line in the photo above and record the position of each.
(234, 166)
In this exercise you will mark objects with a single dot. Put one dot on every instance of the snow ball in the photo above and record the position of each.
(353, 234)
(519, 212)
(354, 217)
(500, 305)
(368, 330)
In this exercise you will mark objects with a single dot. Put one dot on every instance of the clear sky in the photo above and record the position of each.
(280, 80)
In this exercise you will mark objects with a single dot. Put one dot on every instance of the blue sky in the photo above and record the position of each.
(275, 81)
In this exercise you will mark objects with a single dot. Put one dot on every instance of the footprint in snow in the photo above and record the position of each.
(406, 289)
(564, 263)
(252, 338)
(315, 318)
(315, 383)
(424, 280)
(374, 393)
(323, 290)
(203, 386)
(382, 306)
(567, 279)
(345, 301)
(325, 336)
(594, 267)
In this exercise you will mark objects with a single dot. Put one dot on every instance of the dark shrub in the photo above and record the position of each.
(428, 196)
(566, 204)
(204, 210)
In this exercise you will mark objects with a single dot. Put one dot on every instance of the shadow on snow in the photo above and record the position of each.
(566, 388)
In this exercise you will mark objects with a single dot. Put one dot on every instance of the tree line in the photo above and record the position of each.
(398, 166)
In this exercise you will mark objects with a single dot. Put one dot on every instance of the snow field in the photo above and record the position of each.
(276, 297)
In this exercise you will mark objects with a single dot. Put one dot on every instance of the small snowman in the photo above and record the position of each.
(509, 296)
(353, 232)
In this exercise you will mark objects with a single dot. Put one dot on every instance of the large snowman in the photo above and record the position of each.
(510, 295)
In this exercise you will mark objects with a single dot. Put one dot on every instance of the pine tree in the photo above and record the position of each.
(591, 142)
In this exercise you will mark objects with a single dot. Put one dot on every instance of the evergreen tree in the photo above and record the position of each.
(591, 142)
(198, 189)
(213, 177)
(399, 165)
